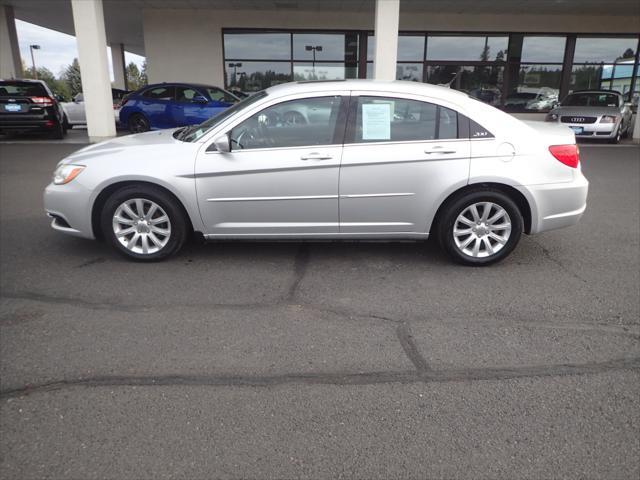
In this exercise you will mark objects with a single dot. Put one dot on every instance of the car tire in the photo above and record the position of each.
(472, 236)
(153, 234)
(138, 123)
(67, 125)
(618, 136)
(58, 132)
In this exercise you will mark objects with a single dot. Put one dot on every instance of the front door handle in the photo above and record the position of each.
(316, 156)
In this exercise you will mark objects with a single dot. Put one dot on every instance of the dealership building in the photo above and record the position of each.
(518, 55)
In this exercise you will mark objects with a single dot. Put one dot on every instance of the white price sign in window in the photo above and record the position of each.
(376, 121)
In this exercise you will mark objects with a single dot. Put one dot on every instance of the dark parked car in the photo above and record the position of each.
(29, 106)
(169, 105)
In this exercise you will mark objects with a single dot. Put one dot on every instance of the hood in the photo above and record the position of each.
(109, 147)
(586, 111)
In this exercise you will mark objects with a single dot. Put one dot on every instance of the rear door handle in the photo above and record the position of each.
(316, 156)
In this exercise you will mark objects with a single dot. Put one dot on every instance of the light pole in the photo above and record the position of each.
(33, 59)
(235, 70)
(311, 48)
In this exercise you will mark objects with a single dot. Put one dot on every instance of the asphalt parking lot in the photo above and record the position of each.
(315, 360)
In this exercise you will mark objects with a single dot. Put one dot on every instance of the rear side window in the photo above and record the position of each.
(160, 93)
(22, 89)
(386, 119)
(218, 95)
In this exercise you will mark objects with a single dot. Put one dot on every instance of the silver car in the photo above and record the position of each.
(597, 114)
(354, 159)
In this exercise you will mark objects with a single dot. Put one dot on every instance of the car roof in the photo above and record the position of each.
(397, 86)
(22, 80)
(179, 84)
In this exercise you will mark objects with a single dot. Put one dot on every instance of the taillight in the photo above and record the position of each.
(567, 154)
(42, 101)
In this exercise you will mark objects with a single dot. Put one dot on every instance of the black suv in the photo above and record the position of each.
(29, 106)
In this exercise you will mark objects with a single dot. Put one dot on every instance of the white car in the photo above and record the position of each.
(75, 114)
(360, 159)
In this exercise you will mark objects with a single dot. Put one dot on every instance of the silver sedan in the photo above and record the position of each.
(349, 159)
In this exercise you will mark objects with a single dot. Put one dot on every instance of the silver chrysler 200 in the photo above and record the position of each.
(355, 159)
(596, 114)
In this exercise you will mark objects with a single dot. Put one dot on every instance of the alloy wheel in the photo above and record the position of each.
(141, 226)
(482, 229)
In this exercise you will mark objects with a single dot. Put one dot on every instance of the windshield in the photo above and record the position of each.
(591, 99)
(194, 132)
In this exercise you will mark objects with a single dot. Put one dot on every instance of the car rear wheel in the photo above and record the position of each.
(144, 223)
(138, 123)
(480, 228)
(58, 132)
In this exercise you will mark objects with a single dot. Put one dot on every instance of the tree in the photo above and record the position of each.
(58, 87)
(135, 78)
(71, 76)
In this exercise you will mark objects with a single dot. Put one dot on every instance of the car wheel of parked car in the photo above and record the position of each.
(480, 228)
(618, 136)
(67, 125)
(143, 223)
(138, 123)
(58, 132)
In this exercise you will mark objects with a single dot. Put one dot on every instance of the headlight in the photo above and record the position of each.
(608, 119)
(66, 173)
(551, 117)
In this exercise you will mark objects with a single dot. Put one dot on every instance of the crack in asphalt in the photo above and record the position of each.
(300, 265)
(360, 378)
(403, 332)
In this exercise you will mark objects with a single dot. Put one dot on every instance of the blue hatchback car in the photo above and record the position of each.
(169, 105)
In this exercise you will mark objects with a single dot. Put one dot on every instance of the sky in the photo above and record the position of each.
(57, 50)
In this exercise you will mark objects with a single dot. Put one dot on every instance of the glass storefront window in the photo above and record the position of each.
(604, 50)
(255, 76)
(333, 46)
(537, 90)
(275, 46)
(467, 48)
(481, 82)
(305, 71)
(409, 71)
(543, 49)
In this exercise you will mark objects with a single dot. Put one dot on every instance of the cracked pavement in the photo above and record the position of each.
(315, 360)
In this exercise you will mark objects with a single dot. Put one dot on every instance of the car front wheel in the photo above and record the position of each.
(143, 223)
(138, 123)
(480, 228)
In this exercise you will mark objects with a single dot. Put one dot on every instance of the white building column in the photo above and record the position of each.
(119, 66)
(636, 128)
(10, 62)
(88, 20)
(386, 32)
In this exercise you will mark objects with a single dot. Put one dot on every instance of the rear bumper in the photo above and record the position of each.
(556, 205)
(20, 125)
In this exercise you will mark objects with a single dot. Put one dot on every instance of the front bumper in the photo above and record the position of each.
(605, 131)
(69, 206)
(557, 205)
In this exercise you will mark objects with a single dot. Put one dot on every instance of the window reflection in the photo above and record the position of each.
(543, 49)
(333, 46)
(481, 82)
(410, 47)
(467, 48)
(409, 71)
(304, 71)
(604, 50)
(276, 46)
(255, 76)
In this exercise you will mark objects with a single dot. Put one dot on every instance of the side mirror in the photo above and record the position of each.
(221, 144)
(199, 99)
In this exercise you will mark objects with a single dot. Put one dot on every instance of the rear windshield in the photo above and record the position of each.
(22, 89)
(591, 99)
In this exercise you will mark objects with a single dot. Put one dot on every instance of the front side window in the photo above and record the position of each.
(186, 94)
(160, 93)
(296, 123)
(384, 119)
